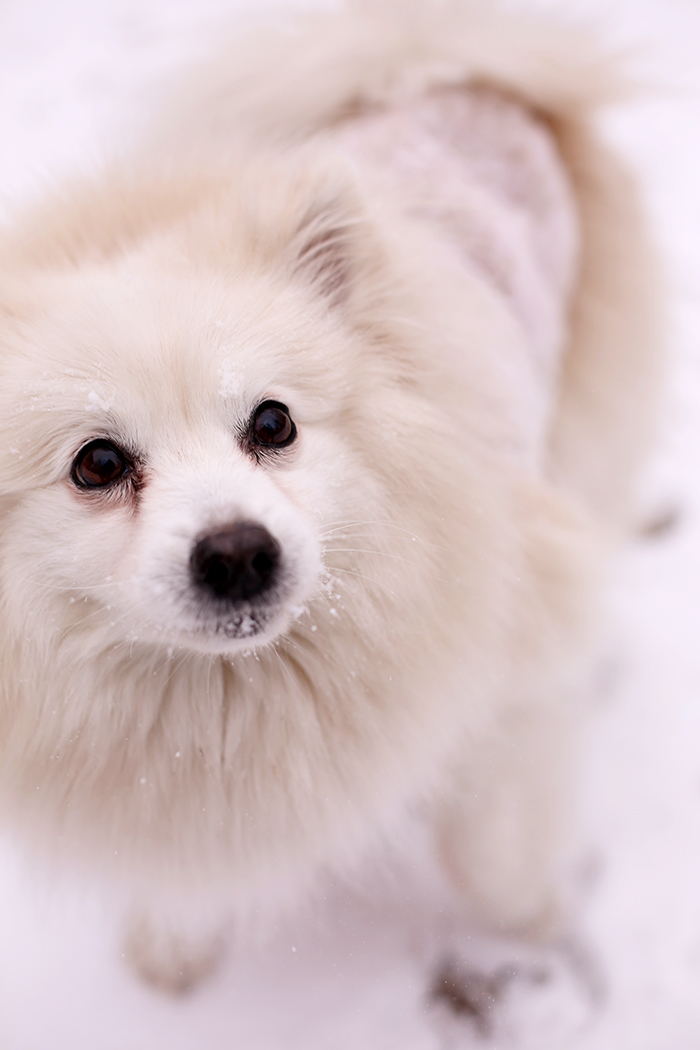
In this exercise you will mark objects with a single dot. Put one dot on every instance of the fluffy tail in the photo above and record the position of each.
(314, 71)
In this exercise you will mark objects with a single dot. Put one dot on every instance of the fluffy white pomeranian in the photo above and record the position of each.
(317, 417)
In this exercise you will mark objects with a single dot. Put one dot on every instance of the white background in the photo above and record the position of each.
(354, 973)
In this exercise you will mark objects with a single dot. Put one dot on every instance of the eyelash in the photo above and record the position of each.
(276, 413)
(126, 484)
(270, 430)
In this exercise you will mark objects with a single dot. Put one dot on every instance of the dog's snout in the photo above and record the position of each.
(237, 563)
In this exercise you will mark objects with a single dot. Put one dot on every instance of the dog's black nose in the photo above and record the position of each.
(237, 563)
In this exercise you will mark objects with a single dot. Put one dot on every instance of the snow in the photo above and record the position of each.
(96, 402)
(372, 967)
(231, 379)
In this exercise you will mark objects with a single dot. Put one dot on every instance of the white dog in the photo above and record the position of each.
(316, 419)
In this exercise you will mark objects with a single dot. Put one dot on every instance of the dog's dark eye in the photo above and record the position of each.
(272, 425)
(98, 464)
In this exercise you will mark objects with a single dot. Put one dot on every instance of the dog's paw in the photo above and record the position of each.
(167, 959)
(511, 994)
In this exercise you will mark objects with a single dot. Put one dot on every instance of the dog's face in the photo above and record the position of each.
(178, 441)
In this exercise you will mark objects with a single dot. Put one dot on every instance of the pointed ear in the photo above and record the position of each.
(308, 215)
(324, 247)
(329, 240)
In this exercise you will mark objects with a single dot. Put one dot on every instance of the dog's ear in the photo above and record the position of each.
(331, 243)
(310, 217)
(325, 244)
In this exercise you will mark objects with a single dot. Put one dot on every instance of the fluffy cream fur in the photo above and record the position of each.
(407, 231)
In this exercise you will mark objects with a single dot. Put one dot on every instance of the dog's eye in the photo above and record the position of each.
(272, 425)
(98, 464)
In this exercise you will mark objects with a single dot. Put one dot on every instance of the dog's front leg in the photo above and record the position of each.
(504, 829)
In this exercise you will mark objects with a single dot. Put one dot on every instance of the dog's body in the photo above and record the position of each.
(311, 448)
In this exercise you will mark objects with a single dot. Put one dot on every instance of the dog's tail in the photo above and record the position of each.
(317, 70)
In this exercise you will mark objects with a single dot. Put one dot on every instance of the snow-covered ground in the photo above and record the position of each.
(372, 968)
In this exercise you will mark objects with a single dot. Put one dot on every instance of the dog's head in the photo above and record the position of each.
(204, 373)
(177, 417)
